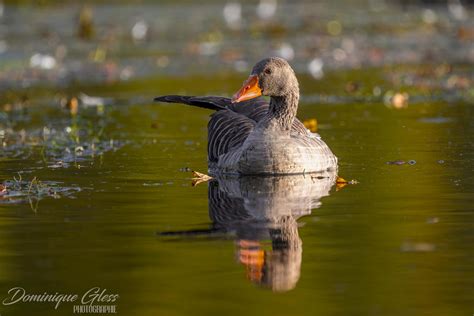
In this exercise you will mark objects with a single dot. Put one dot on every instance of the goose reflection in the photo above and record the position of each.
(261, 213)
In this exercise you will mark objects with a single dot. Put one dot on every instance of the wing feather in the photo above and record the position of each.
(226, 130)
(231, 124)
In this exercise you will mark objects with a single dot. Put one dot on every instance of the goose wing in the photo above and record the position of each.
(231, 124)
(229, 128)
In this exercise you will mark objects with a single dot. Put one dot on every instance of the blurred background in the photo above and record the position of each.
(63, 43)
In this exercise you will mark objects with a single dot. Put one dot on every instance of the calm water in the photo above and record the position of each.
(114, 206)
(399, 242)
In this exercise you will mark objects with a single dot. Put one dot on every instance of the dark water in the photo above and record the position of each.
(399, 242)
(101, 196)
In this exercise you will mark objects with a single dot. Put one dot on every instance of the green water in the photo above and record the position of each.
(398, 243)
(104, 197)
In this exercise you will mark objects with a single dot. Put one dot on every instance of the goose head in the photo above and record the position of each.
(271, 77)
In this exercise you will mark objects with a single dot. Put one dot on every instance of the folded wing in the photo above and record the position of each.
(231, 124)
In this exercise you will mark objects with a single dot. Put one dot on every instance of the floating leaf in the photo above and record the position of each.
(396, 162)
(400, 100)
(73, 105)
(397, 100)
(311, 124)
(341, 182)
(352, 87)
(199, 178)
(3, 189)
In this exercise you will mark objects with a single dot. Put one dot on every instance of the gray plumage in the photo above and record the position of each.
(260, 137)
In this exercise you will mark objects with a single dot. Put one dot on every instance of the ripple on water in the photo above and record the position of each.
(436, 120)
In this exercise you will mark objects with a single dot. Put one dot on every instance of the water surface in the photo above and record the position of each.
(397, 242)
(105, 197)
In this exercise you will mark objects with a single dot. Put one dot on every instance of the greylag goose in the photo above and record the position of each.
(248, 135)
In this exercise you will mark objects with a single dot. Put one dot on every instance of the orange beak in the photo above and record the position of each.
(249, 90)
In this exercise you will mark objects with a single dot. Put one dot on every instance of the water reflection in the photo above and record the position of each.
(261, 213)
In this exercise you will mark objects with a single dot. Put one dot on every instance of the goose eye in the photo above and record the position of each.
(268, 71)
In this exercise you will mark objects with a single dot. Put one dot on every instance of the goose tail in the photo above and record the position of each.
(212, 103)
